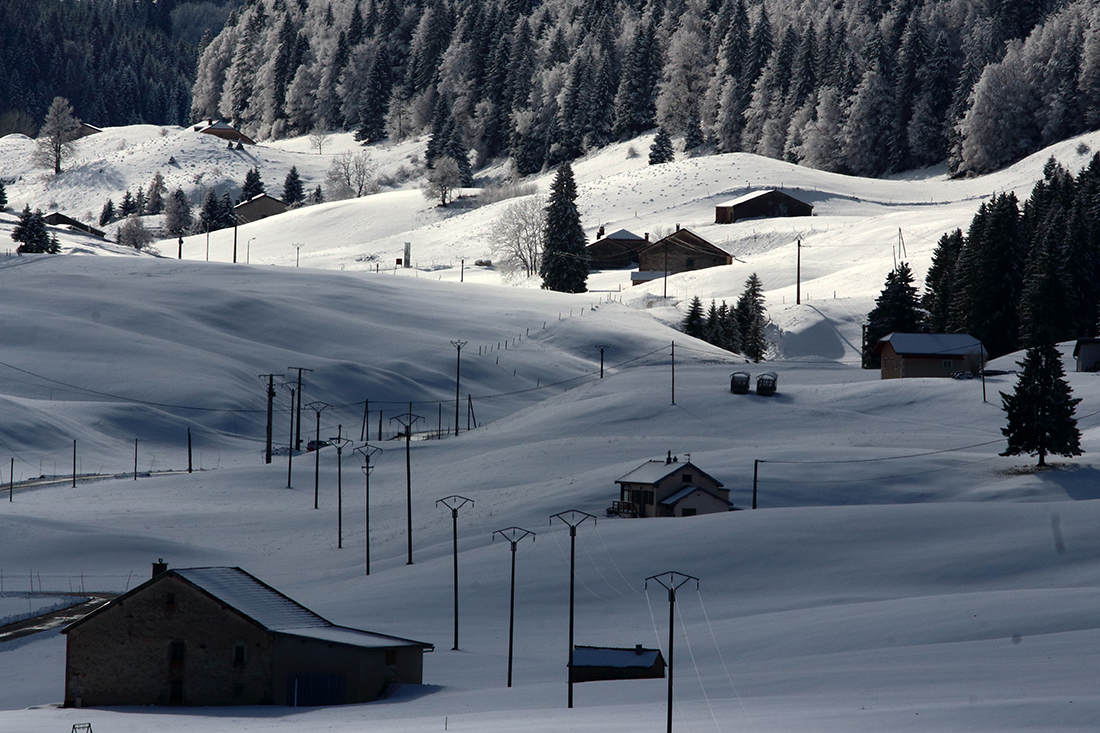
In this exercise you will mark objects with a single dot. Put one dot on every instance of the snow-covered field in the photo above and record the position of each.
(899, 575)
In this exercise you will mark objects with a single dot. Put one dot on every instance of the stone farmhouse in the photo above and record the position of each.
(669, 488)
(219, 636)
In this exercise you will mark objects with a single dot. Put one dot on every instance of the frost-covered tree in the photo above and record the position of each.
(56, 140)
(687, 69)
(518, 237)
(133, 233)
(820, 146)
(443, 179)
(1040, 410)
(351, 175)
(177, 212)
(866, 133)
(3, 197)
(154, 199)
(564, 265)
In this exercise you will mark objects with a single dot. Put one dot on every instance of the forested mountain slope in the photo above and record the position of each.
(859, 86)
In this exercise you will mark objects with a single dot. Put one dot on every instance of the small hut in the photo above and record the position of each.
(596, 664)
(761, 204)
(1087, 353)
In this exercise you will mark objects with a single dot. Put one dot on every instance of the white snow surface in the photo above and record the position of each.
(898, 575)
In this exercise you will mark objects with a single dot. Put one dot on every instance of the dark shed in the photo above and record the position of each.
(759, 204)
(596, 664)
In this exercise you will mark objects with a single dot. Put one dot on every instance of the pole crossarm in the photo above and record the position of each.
(513, 535)
(573, 517)
(454, 502)
(367, 452)
(672, 580)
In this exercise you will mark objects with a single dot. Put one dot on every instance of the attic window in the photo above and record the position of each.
(176, 651)
(238, 655)
(169, 599)
(687, 478)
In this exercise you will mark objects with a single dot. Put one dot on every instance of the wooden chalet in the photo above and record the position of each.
(681, 251)
(759, 205)
(259, 207)
(906, 355)
(618, 249)
(669, 488)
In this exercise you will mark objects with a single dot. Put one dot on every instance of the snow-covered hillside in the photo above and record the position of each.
(898, 574)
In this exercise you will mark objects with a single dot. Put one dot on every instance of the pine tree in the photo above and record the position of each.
(210, 214)
(1040, 410)
(32, 235)
(177, 213)
(728, 336)
(128, 205)
(694, 323)
(897, 310)
(253, 185)
(564, 264)
(1045, 313)
(750, 315)
(3, 197)
(939, 283)
(154, 200)
(293, 192)
(107, 213)
(661, 151)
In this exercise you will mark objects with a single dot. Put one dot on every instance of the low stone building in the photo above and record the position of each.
(669, 488)
(219, 636)
(681, 251)
(929, 354)
(761, 204)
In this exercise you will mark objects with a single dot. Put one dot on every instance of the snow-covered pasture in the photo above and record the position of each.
(898, 575)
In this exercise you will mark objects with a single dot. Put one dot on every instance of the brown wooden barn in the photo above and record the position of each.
(618, 249)
(223, 130)
(57, 219)
(259, 207)
(761, 204)
(597, 664)
(219, 636)
(1087, 353)
(928, 354)
(681, 251)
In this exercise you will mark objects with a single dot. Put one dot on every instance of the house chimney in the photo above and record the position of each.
(647, 236)
(159, 567)
(599, 234)
(668, 460)
(677, 227)
(637, 648)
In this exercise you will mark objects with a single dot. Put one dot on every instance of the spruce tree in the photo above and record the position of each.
(3, 197)
(253, 185)
(940, 281)
(210, 214)
(1040, 410)
(128, 206)
(751, 319)
(1045, 313)
(154, 200)
(107, 213)
(661, 150)
(32, 235)
(897, 310)
(564, 264)
(695, 324)
(293, 192)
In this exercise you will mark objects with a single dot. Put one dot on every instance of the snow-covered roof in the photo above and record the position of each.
(352, 637)
(623, 234)
(651, 472)
(593, 656)
(931, 344)
(259, 601)
(755, 195)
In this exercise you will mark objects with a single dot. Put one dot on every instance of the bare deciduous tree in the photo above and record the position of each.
(518, 237)
(319, 138)
(444, 179)
(351, 175)
(56, 137)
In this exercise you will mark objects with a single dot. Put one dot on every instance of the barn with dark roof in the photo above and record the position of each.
(219, 636)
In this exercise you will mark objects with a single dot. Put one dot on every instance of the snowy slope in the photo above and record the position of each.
(899, 574)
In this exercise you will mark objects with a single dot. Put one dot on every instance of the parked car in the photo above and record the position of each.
(314, 445)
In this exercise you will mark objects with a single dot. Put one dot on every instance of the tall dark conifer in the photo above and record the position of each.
(897, 310)
(564, 264)
(1040, 410)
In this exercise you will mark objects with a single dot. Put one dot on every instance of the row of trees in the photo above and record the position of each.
(739, 329)
(861, 86)
(1021, 275)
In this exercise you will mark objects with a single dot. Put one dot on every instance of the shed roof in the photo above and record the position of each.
(594, 656)
(1084, 342)
(268, 608)
(623, 234)
(687, 240)
(757, 194)
(686, 492)
(931, 344)
(651, 472)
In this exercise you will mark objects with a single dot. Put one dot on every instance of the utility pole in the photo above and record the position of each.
(798, 276)
(755, 476)
(674, 372)
(340, 442)
(601, 347)
(458, 371)
(298, 410)
(235, 244)
(298, 252)
(407, 421)
(366, 451)
(74, 463)
(270, 406)
(573, 518)
(189, 464)
(290, 441)
(513, 535)
(454, 503)
(671, 581)
(317, 407)
(135, 458)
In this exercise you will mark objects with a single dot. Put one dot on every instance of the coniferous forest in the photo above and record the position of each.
(866, 87)
(118, 62)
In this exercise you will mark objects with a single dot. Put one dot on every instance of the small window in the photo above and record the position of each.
(176, 651)
(946, 363)
(238, 655)
(687, 478)
(391, 657)
(169, 599)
